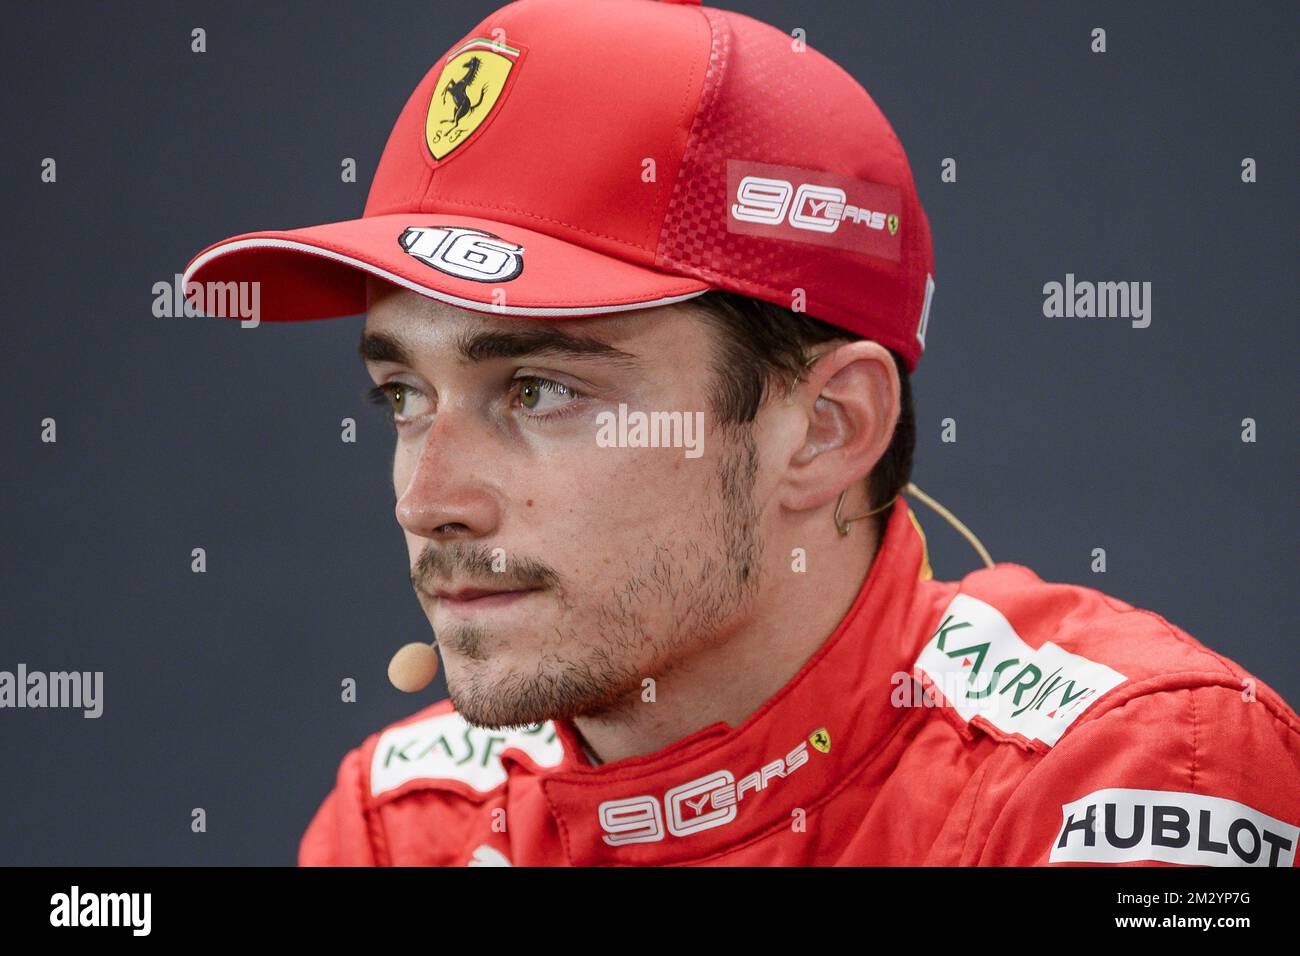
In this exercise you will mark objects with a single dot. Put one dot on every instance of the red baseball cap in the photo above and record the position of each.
(579, 157)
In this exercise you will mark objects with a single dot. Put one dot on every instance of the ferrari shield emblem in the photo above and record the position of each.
(821, 739)
(892, 222)
(467, 89)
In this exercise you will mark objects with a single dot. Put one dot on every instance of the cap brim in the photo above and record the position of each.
(319, 272)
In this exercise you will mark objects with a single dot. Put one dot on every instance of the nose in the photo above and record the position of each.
(441, 493)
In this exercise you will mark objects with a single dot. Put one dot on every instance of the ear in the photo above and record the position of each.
(849, 403)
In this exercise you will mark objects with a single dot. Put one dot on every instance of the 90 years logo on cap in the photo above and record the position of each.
(814, 206)
(469, 86)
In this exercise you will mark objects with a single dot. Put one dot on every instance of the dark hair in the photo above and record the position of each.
(762, 346)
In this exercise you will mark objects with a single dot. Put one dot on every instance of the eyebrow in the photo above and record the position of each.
(382, 347)
(481, 346)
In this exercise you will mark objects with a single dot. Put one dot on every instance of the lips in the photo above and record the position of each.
(464, 595)
(465, 600)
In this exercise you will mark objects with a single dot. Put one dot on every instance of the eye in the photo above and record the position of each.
(397, 397)
(542, 395)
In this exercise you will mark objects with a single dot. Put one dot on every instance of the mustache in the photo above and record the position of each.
(476, 566)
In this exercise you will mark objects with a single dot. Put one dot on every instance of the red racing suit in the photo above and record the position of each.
(998, 720)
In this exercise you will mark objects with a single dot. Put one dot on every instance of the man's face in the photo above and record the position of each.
(598, 566)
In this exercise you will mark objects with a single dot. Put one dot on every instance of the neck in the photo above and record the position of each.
(727, 679)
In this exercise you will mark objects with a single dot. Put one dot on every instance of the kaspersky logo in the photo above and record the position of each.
(701, 804)
(468, 88)
(980, 665)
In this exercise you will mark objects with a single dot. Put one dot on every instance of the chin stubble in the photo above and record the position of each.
(702, 580)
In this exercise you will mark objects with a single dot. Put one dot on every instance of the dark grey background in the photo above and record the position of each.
(222, 689)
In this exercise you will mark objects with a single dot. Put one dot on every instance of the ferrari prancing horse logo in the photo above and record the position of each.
(467, 89)
(821, 739)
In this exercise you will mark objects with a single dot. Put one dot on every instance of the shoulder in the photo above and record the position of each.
(1028, 660)
(1144, 745)
(1085, 620)
(434, 761)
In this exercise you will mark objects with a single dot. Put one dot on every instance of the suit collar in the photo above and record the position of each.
(721, 787)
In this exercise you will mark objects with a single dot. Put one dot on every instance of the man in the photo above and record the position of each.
(645, 285)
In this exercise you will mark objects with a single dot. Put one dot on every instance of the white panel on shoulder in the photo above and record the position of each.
(448, 747)
(1168, 826)
(487, 856)
(982, 668)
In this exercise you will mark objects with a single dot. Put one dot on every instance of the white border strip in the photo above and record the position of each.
(492, 45)
(267, 243)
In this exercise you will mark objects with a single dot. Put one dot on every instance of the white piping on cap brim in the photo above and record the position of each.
(269, 243)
